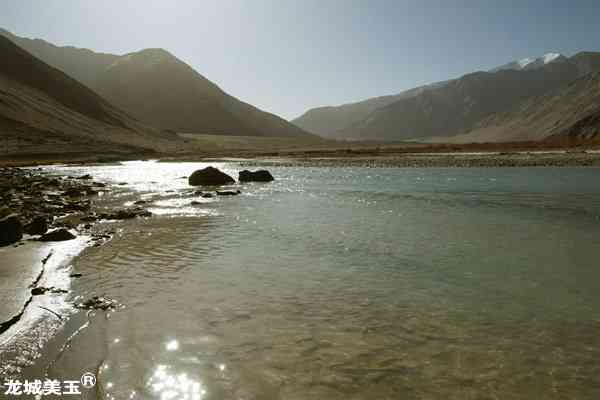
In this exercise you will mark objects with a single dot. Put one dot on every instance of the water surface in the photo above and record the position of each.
(347, 283)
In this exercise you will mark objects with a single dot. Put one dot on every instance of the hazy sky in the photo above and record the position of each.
(286, 56)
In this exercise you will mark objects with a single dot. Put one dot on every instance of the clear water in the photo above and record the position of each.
(347, 283)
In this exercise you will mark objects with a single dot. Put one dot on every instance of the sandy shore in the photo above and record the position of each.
(35, 270)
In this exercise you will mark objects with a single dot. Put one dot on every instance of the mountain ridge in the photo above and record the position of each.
(216, 111)
(456, 106)
(42, 106)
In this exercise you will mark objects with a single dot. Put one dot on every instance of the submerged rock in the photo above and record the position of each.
(57, 235)
(256, 176)
(98, 303)
(11, 229)
(71, 220)
(206, 195)
(40, 290)
(228, 192)
(209, 176)
(38, 226)
(73, 192)
(126, 213)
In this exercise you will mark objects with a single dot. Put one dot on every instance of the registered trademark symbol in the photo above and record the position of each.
(88, 380)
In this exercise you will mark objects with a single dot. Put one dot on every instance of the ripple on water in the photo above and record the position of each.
(352, 283)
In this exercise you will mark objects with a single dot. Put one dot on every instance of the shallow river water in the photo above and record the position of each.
(345, 283)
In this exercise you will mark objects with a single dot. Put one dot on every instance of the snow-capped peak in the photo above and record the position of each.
(530, 62)
(525, 62)
(548, 58)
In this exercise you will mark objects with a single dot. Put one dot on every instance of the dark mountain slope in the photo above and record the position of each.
(330, 121)
(161, 90)
(457, 107)
(571, 111)
(453, 107)
(40, 104)
(81, 64)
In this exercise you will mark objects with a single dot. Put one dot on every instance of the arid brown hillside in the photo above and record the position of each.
(162, 91)
(453, 107)
(43, 110)
(458, 106)
(570, 111)
(330, 122)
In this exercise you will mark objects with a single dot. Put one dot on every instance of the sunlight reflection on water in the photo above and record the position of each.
(353, 283)
(170, 386)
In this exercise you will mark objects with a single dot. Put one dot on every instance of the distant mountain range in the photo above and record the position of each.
(531, 62)
(52, 96)
(42, 110)
(459, 109)
(571, 111)
(160, 90)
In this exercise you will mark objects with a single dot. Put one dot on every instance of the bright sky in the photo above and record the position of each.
(286, 56)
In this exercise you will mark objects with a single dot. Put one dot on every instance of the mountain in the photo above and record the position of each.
(571, 112)
(161, 90)
(44, 110)
(531, 62)
(81, 64)
(457, 106)
(330, 121)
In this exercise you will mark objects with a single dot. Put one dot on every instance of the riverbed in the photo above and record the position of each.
(341, 282)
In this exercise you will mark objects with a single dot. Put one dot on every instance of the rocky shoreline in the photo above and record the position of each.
(51, 208)
(433, 160)
(40, 208)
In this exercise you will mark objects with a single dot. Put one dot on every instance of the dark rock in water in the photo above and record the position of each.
(98, 303)
(11, 229)
(75, 275)
(85, 177)
(206, 195)
(209, 176)
(140, 202)
(40, 290)
(195, 203)
(228, 192)
(38, 226)
(73, 192)
(69, 221)
(89, 218)
(127, 213)
(57, 235)
(256, 176)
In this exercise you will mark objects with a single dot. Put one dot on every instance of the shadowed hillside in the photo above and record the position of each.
(458, 106)
(44, 110)
(572, 111)
(161, 90)
(330, 121)
(454, 107)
